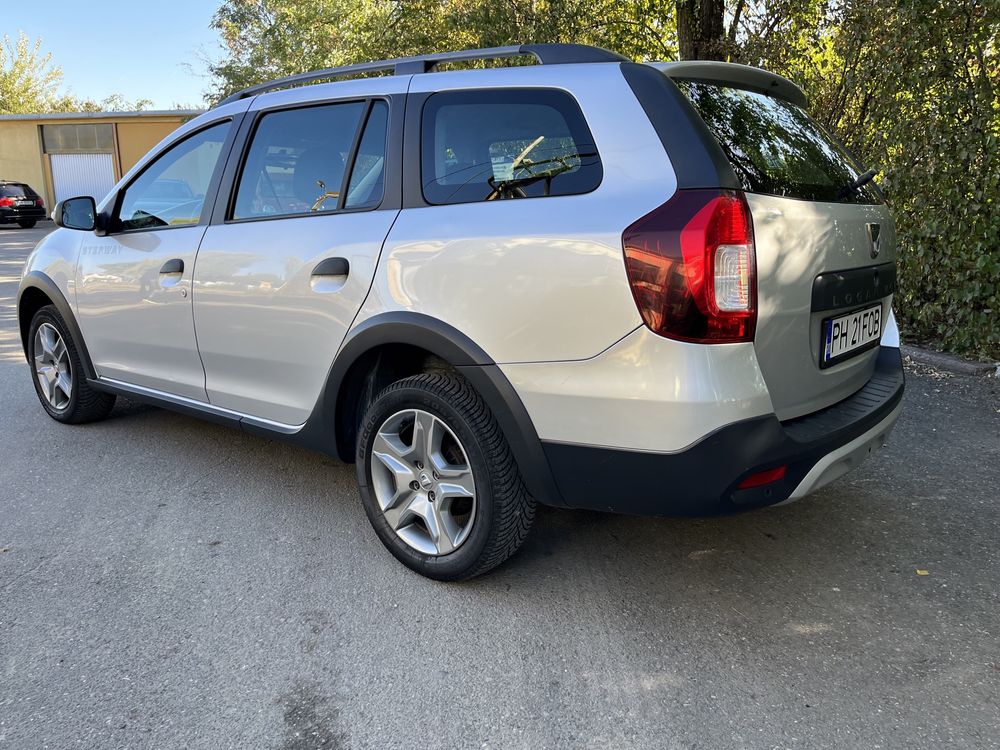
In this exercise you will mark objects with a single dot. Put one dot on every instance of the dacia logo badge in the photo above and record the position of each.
(874, 239)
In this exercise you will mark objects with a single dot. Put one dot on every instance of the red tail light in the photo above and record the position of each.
(39, 202)
(6, 202)
(691, 266)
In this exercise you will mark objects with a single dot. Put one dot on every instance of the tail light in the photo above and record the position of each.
(4, 202)
(691, 267)
(39, 202)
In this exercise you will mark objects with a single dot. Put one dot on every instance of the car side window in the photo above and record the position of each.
(495, 144)
(367, 182)
(171, 191)
(297, 161)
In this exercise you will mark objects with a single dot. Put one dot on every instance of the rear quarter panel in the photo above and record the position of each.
(536, 279)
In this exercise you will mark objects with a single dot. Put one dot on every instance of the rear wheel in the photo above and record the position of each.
(438, 481)
(58, 372)
(27, 223)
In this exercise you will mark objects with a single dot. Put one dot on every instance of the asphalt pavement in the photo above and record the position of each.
(169, 583)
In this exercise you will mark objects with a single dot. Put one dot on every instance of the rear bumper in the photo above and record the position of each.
(13, 215)
(703, 479)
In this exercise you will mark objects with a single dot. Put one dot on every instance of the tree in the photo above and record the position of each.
(700, 32)
(29, 82)
(266, 39)
(116, 103)
(915, 92)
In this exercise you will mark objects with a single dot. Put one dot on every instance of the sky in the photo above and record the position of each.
(141, 49)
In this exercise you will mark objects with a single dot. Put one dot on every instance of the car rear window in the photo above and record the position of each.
(775, 147)
(495, 144)
(16, 191)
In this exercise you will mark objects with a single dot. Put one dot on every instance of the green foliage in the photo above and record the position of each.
(912, 86)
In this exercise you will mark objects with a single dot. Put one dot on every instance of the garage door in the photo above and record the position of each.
(82, 174)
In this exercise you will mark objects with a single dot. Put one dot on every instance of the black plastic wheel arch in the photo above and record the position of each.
(458, 350)
(40, 281)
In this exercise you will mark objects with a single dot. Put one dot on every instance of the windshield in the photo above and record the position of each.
(775, 147)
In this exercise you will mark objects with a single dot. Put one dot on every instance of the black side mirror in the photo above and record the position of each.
(76, 213)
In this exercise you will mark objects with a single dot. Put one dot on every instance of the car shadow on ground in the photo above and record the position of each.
(781, 555)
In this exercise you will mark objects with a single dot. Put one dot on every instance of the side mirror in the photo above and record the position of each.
(76, 213)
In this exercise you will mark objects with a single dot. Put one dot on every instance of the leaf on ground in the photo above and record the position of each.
(922, 572)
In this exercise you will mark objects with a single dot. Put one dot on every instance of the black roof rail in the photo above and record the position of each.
(545, 54)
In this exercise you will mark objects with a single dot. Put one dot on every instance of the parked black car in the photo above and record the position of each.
(20, 204)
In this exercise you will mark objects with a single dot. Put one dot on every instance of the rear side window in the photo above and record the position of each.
(498, 144)
(775, 147)
(368, 174)
(298, 161)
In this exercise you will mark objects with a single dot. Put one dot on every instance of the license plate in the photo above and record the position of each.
(24, 203)
(850, 334)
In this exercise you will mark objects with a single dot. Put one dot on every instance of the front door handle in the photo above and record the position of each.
(175, 265)
(332, 267)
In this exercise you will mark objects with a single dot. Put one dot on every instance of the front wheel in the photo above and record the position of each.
(58, 372)
(437, 478)
(26, 223)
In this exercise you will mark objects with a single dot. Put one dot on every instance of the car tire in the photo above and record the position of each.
(27, 224)
(58, 374)
(410, 486)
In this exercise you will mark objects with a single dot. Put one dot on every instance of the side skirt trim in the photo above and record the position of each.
(192, 407)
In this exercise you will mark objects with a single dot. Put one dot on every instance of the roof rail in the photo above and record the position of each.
(545, 54)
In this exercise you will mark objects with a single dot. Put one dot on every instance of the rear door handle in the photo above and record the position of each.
(174, 265)
(332, 267)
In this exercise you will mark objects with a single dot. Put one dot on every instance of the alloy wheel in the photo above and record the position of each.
(52, 367)
(423, 482)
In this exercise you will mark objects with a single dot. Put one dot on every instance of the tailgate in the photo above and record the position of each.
(814, 262)
(824, 240)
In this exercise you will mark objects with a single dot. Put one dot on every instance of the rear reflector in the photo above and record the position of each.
(763, 477)
(691, 267)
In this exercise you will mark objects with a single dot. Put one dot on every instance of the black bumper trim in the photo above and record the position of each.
(14, 216)
(702, 480)
(835, 290)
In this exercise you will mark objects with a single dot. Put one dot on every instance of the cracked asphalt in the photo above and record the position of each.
(168, 583)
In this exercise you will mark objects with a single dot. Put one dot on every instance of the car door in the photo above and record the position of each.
(133, 284)
(290, 256)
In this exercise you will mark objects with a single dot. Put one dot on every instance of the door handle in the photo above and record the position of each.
(332, 267)
(330, 275)
(175, 265)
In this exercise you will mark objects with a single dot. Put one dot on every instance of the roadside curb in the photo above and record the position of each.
(948, 362)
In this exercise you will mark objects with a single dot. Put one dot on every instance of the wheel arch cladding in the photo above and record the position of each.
(394, 345)
(37, 291)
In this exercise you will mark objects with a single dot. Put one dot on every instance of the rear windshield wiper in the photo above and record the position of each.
(514, 188)
(856, 184)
